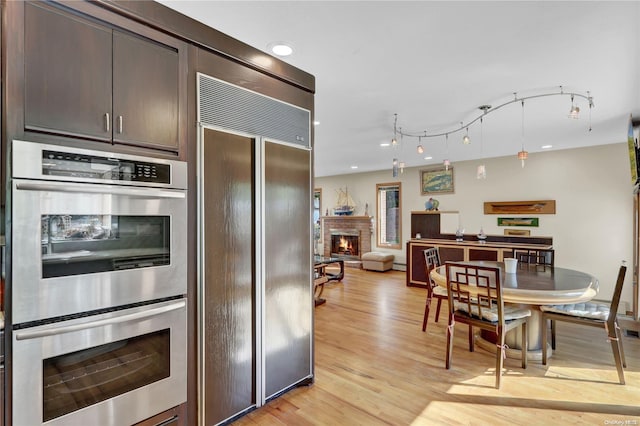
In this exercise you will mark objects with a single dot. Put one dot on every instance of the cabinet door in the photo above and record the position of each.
(145, 92)
(67, 74)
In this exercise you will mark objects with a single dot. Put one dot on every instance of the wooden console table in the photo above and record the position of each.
(451, 250)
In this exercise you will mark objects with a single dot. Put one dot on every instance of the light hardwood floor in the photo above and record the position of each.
(375, 366)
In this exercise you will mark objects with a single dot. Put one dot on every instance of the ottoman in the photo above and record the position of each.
(375, 261)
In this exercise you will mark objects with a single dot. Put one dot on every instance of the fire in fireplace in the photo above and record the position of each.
(345, 244)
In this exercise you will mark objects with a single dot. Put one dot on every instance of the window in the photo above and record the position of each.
(317, 212)
(389, 214)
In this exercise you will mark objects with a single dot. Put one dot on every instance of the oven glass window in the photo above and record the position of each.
(86, 244)
(79, 379)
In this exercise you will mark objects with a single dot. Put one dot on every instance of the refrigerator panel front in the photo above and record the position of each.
(228, 293)
(288, 295)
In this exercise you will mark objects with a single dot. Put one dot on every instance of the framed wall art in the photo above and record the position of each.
(517, 232)
(518, 221)
(520, 207)
(436, 181)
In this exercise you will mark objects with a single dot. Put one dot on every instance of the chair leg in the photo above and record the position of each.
(449, 342)
(544, 339)
(426, 312)
(553, 334)
(499, 358)
(525, 344)
(616, 345)
(438, 308)
(471, 342)
(619, 334)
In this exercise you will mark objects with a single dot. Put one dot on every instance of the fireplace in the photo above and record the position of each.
(350, 226)
(345, 244)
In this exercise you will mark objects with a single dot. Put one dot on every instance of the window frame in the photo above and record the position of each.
(317, 226)
(379, 215)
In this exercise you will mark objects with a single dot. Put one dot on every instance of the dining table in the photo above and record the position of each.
(532, 286)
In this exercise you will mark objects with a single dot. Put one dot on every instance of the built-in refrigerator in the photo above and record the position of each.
(255, 261)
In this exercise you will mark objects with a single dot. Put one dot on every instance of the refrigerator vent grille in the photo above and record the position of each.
(234, 108)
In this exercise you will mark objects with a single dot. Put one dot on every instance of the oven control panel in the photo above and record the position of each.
(75, 165)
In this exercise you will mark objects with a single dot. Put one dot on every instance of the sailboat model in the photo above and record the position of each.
(345, 205)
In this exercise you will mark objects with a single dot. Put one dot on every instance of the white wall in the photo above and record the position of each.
(592, 229)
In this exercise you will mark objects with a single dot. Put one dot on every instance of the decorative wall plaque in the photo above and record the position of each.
(520, 207)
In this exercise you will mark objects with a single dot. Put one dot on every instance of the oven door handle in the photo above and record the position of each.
(55, 330)
(101, 189)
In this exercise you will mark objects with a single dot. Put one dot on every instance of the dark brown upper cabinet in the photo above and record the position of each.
(88, 80)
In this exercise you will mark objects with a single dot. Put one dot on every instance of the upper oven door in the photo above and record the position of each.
(80, 247)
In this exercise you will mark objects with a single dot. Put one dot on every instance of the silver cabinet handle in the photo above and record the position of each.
(106, 121)
(119, 124)
(53, 330)
(101, 189)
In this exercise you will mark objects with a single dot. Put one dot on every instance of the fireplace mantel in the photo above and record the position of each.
(361, 223)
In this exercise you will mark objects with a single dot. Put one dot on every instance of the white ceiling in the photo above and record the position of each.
(434, 62)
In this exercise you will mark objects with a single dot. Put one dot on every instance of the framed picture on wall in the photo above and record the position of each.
(436, 180)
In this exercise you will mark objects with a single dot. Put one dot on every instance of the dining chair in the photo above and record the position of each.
(544, 257)
(475, 299)
(432, 261)
(595, 315)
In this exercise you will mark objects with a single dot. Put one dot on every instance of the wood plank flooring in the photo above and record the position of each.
(375, 366)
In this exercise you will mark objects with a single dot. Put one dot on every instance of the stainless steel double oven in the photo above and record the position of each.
(98, 308)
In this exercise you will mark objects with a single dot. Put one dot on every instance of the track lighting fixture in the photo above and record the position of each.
(574, 112)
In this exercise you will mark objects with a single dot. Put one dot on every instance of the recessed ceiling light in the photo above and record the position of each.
(547, 146)
(280, 49)
(354, 167)
(385, 144)
(428, 158)
(316, 123)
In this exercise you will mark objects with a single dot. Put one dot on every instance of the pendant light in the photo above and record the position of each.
(466, 139)
(400, 162)
(481, 173)
(446, 161)
(420, 148)
(574, 112)
(394, 140)
(523, 155)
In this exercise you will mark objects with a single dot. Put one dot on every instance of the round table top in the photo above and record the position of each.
(537, 284)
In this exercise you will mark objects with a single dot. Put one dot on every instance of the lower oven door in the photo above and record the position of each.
(116, 368)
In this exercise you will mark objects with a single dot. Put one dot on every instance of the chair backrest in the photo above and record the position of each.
(535, 256)
(431, 261)
(475, 289)
(615, 301)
